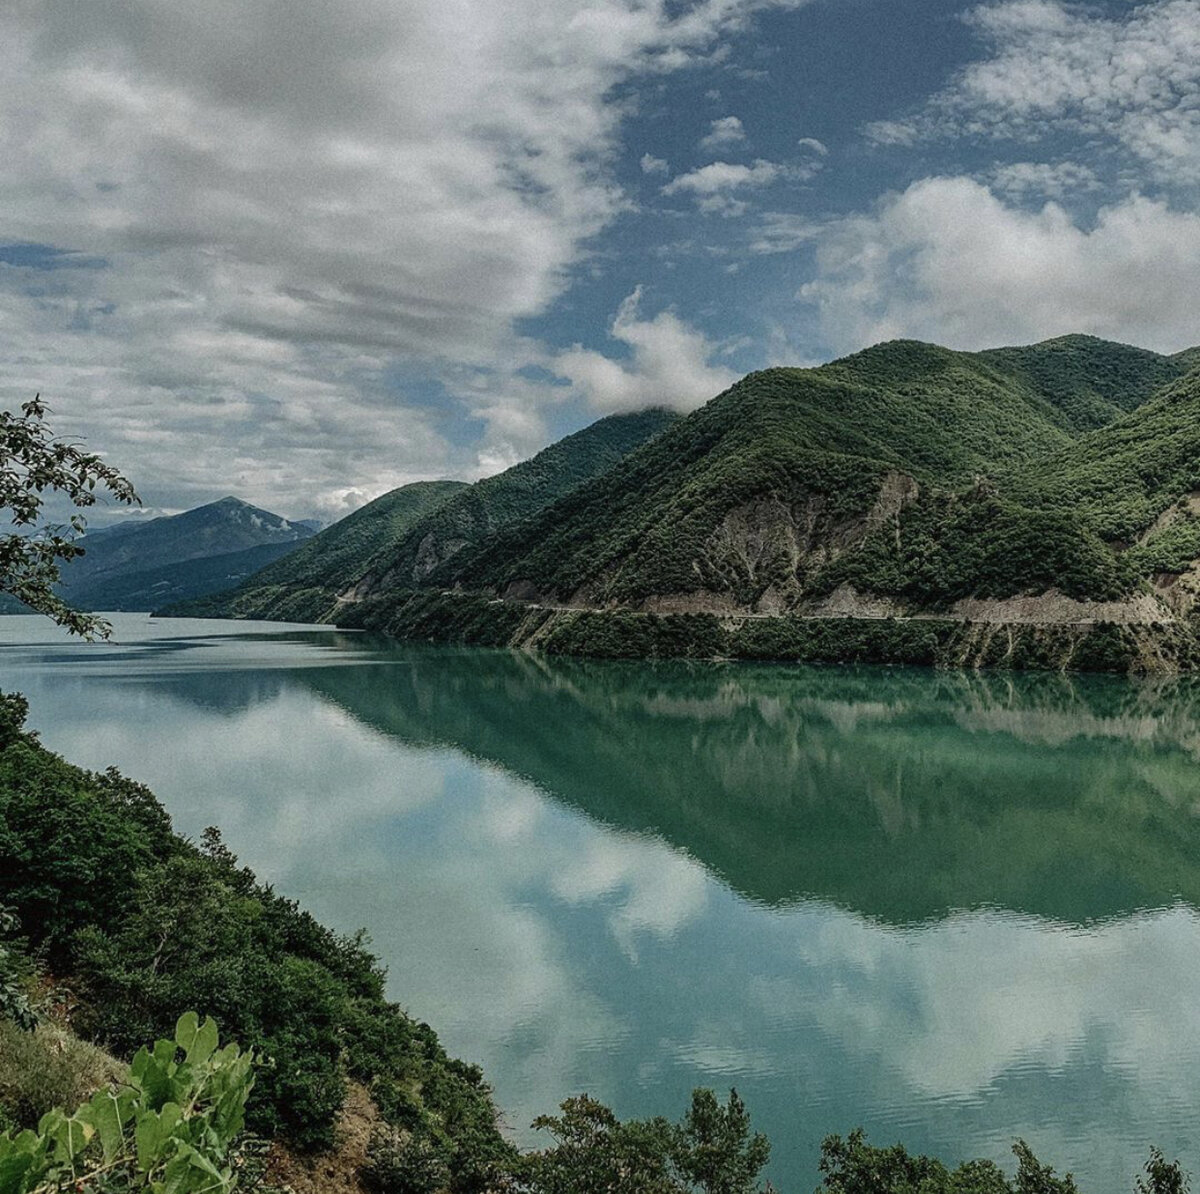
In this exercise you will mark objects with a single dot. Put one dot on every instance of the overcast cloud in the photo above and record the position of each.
(280, 200)
(305, 251)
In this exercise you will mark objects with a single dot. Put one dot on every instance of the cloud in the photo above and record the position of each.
(653, 165)
(814, 145)
(711, 185)
(669, 364)
(255, 211)
(1024, 180)
(727, 130)
(949, 261)
(783, 232)
(1054, 68)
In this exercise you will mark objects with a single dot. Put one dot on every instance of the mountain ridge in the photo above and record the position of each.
(134, 566)
(1022, 488)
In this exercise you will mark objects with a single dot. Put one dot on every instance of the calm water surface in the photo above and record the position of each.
(955, 909)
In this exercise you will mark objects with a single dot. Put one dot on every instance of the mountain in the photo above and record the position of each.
(137, 565)
(385, 547)
(905, 482)
(304, 585)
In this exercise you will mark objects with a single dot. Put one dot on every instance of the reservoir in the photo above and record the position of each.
(956, 909)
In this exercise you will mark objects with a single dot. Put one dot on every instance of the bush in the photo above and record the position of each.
(403, 1164)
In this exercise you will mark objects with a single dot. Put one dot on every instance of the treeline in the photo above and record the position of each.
(137, 924)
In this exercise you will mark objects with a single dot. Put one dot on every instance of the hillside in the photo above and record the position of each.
(441, 530)
(906, 481)
(759, 501)
(304, 584)
(136, 566)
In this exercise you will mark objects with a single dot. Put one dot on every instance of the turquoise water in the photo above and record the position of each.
(956, 909)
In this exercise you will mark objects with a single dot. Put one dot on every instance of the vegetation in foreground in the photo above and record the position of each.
(139, 923)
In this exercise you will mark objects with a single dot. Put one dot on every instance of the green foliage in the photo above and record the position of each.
(32, 463)
(851, 1166)
(908, 472)
(1162, 1176)
(1091, 381)
(14, 998)
(144, 922)
(403, 1164)
(46, 1068)
(374, 548)
(168, 1130)
(712, 1150)
(1119, 479)
(948, 547)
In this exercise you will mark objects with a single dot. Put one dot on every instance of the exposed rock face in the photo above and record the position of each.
(764, 550)
(432, 553)
(1180, 591)
(1043, 609)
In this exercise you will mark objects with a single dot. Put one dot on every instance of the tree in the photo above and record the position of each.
(714, 1147)
(33, 464)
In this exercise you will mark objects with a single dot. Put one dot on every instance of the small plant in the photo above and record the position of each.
(169, 1130)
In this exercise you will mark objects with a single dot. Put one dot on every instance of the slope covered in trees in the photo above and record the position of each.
(907, 471)
(443, 529)
(1055, 485)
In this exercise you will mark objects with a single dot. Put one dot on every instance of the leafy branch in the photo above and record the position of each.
(33, 463)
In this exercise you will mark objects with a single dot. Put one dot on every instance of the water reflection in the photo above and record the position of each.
(956, 909)
(899, 794)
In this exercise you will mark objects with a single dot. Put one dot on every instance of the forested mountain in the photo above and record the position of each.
(137, 566)
(1054, 485)
(898, 471)
(396, 549)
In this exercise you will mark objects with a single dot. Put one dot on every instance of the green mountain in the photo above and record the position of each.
(304, 585)
(136, 566)
(907, 482)
(406, 551)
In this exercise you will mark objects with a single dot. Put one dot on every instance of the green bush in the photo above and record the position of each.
(403, 1164)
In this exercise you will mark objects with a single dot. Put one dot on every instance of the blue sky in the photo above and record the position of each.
(306, 251)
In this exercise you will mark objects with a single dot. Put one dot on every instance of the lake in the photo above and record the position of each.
(956, 909)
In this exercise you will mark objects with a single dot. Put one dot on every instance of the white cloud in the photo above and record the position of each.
(949, 261)
(652, 165)
(783, 232)
(291, 204)
(727, 130)
(1025, 180)
(711, 185)
(723, 176)
(669, 364)
(813, 144)
(1054, 67)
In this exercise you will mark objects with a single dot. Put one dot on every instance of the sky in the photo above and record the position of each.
(304, 251)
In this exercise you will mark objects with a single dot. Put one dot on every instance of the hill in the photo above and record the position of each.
(907, 482)
(304, 584)
(135, 565)
(438, 532)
